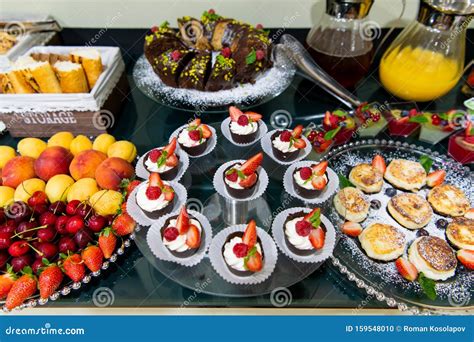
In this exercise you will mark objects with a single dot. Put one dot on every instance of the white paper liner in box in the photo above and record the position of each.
(219, 183)
(324, 195)
(211, 144)
(278, 232)
(92, 101)
(270, 256)
(155, 242)
(142, 172)
(225, 129)
(140, 217)
(266, 143)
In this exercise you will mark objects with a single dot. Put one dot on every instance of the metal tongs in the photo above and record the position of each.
(31, 26)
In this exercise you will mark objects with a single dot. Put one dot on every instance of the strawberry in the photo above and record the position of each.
(469, 132)
(172, 160)
(469, 214)
(171, 147)
(379, 164)
(206, 132)
(193, 237)
(92, 257)
(73, 267)
(6, 282)
(253, 116)
(155, 180)
(129, 186)
(435, 178)
(319, 182)
(250, 234)
(330, 121)
(253, 261)
(182, 222)
(252, 164)
(249, 181)
(49, 280)
(299, 143)
(107, 242)
(168, 192)
(466, 257)
(23, 288)
(320, 169)
(234, 113)
(313, 215)
(406, 269)
(195, 123)
(123, 224)
(403, 120)
(317, 237)
(297, 131)
(351, 228)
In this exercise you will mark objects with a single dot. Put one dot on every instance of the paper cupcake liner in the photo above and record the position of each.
(140, 217)
(211, 144)
(331, 187)
(219, 183)
(267, 148)
(262, 130)
(270, 254)
(279, 236)
(183, 165)
(156, 245)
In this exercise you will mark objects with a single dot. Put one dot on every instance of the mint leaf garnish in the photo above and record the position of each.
(428, 286)
(241, 174)
(162, 160)
(250, 253)
(315, 219)
(329, 135)
(340, 113)
(419, 119)
(344, 182)
(426, 162)
(251, 57)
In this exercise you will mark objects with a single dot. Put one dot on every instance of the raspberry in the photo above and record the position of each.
(153, 192)
(243, 120)
(176, 55)
(194, 135)
(285, 136)
(154, 155)
(259, 26)
(305, 173)
(226, 52)
(312, 136)
(154, 29)
(211, 11)
(435, 120)
(412, 112)
(376, 117)
(259, 54)
(240, 250)
(170, 233)
(303, 228)
(232, 176)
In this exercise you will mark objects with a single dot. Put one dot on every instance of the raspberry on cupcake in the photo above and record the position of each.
(304, 232)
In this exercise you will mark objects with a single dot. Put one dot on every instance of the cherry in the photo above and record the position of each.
(84, 210)
(8, 227)
(3, 258)
(25, 229)
(96, 223)
(2, 215)
(47, 219)
(75, 224)
(18, 248)
(5, 240)
(83, 237)
(72, 207)
(312, 136)
(38, 198)
(21, 262)
(40, 209)
(46, 250)
(66, 244)
(57, 208)
(47, 234)
(37, 264)
(60, 225)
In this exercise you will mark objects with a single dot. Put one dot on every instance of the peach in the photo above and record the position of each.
(62, 139)
(79, 144)
(111, 171)
(53, 161)
(82, 190)
(6, 153)
(27, 188)
(85, 164)
(106, 202)
(123, 149)
(17, 170)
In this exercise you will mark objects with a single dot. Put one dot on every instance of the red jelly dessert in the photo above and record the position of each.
(461, 145)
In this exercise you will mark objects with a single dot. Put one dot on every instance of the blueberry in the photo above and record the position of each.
(441, 223)
(422, 232)
(375, 204)
(390, 192)
(405, 113)
(444, 123)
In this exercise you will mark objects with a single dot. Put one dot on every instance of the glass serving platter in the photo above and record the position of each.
(267, 86)
(381, 279)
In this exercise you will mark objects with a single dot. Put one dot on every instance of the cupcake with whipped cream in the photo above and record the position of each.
(194, 138)
(241, 179)
(287, 145)
(309, 181)
(163, 160)
(244, 127)
(155, 197)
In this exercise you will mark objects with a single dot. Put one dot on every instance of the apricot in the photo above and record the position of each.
(106, 202)
(6, 195)
(79, 144)
(85, 164)
(123, 149)
(17, 170)
(102, 142)
(53, 161)
(58, 187)
(27, 188)
(62, 139)
(110, 172)
(31, 147)
(82, 190)
(6, 153)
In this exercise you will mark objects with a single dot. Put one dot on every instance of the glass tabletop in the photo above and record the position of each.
(133, 281)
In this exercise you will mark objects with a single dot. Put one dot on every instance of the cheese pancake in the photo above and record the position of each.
(367, 178)
(352, 204)
(410, 210)
(460, 233)
(382, 241)
(447, 199)
(406, 174)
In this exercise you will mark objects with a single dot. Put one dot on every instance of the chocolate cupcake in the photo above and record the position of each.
(232, 183)
(243, 127)
(194, 138)
(151, 163)
(299, 229)
(282, 147)
(155, 197)
(309, 185)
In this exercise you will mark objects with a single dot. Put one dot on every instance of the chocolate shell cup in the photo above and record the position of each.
(232, 270)
(189, 252)
(280, 155)
(239, 193)
(155, 215)
(303, 192)
(244, 138)
(292, 248)
(167, 175)
(194, 150)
